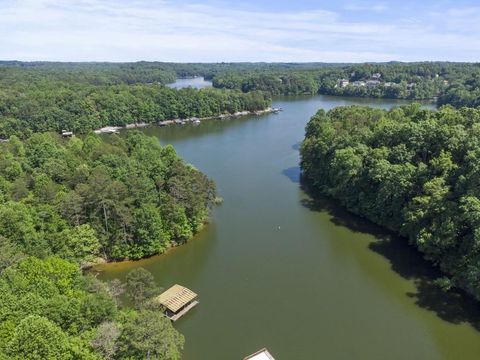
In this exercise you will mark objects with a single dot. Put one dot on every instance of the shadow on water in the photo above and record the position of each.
(293, 173)
(296, 146)
(454, 306)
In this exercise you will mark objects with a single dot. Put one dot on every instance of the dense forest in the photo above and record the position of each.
(81, 98)
(126, 198)
(411, 170)
(65, 203)
(50, 310)
(453, 83)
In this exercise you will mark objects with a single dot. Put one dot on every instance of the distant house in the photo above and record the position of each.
(372, 83)
(376, 76)
(358, 83)
(410, 86)
(67, 134)
(388, 84)
(343, 83)
(260, 355)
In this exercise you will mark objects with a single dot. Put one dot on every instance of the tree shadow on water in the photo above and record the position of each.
(454, 306)
(293, 173)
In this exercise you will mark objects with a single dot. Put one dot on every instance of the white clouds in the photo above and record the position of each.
(165, 31)
(378, 7)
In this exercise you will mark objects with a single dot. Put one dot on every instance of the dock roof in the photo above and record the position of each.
(176, 297)
(260, 355)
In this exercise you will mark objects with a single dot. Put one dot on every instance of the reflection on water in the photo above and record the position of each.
(452, 306)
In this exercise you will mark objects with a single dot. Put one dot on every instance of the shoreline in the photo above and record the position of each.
(115, 263)
(181, 121)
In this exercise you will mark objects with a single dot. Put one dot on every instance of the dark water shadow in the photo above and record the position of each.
(454, 306)
(293, 173)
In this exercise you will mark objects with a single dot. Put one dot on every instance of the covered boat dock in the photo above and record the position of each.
(177, 300)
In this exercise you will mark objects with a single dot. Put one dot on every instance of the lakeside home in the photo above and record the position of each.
(372, 83)
(343, 83)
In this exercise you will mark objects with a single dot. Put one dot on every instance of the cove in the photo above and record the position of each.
(302, 277)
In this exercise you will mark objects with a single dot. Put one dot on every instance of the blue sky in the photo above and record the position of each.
(216, 30)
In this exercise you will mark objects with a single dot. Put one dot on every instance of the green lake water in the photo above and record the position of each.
(276, 269)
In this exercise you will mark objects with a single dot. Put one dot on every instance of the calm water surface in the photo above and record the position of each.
(197, 83)
(306, 280)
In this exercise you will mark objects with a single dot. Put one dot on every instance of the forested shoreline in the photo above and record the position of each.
(82, 99)
(126, 198)
(411, 170)
(64, 203)
(457, 84)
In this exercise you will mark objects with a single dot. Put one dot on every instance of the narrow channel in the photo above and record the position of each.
(275, 268)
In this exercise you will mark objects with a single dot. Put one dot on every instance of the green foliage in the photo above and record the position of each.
(49, 310)
(45, 306)
(140, 287)
(105, 341)
(81, 199)
(149, 335)
(411, 170)
(463, 90)
(37, 338)
(78, 243)
(9, 254)
(85, 97)
(457, 84)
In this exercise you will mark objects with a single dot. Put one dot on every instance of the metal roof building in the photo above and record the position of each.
(177, 300)
(260, 355)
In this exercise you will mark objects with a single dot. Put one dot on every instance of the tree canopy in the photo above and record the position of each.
(411, 170)
(453, 83)
(127, 197)
(49, 310)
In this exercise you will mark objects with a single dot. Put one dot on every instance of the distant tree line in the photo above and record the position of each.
(463, 92)
(39, 100)
(37, 97)
(411, 170)
(453, 83)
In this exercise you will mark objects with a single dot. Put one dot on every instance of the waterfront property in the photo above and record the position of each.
(177, 300)
(343, 83)
(230, 264)
(262, 354)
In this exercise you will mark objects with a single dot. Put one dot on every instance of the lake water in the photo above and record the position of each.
(197, 83)
(306, 280)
